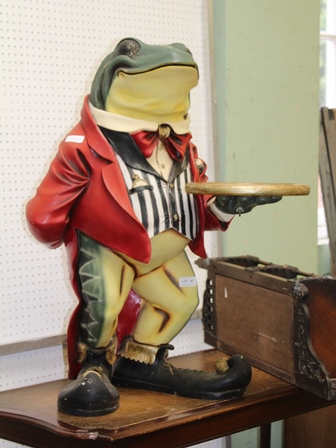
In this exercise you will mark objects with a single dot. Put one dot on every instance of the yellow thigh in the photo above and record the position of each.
(168, 304)
(118, 278)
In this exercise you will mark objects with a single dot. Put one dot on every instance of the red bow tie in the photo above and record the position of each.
(175, 144)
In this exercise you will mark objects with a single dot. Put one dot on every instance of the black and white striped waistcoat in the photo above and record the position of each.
(159, 204)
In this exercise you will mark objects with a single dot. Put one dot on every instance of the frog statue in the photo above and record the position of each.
(115, 196)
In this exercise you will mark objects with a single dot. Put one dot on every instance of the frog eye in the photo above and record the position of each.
(128, 47)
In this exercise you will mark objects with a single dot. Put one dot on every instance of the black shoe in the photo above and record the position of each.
(163, 377)
(91, 394)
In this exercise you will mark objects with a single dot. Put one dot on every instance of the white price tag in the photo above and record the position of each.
(75, 138)
(185, 282)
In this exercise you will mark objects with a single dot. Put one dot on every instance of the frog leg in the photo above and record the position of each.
(105, 282)
(142, 362)
(167, 303)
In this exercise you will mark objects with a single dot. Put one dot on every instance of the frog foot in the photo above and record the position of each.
(91, 393)
(225, 383)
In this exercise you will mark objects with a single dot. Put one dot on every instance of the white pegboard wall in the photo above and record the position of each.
(33, 367)
(50, 52)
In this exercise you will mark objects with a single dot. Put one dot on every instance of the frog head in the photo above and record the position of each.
(150, 82)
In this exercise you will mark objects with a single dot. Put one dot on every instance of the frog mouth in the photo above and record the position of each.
(156, 94)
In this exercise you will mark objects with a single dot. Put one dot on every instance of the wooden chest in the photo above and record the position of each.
(283, 320)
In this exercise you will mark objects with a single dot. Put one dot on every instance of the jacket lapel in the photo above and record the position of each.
(111, 173)
(114, 182)
(94, 136)
(128, 150)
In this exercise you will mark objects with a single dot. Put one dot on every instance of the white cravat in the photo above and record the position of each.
(160, 159)
(121, 123)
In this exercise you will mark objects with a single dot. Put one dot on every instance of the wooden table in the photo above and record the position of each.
(148, 419)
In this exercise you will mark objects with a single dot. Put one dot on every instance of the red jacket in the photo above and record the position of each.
(84, 190)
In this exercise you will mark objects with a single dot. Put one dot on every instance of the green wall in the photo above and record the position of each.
(266, 61)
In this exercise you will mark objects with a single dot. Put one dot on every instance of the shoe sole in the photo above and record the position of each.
(88, 413)
(136, 384)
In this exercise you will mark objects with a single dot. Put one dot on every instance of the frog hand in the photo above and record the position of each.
(237, 205)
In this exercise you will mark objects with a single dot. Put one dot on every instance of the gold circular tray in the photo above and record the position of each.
(247, 189)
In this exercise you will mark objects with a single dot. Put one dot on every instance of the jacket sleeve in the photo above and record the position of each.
(48, 212)
(211, 220)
